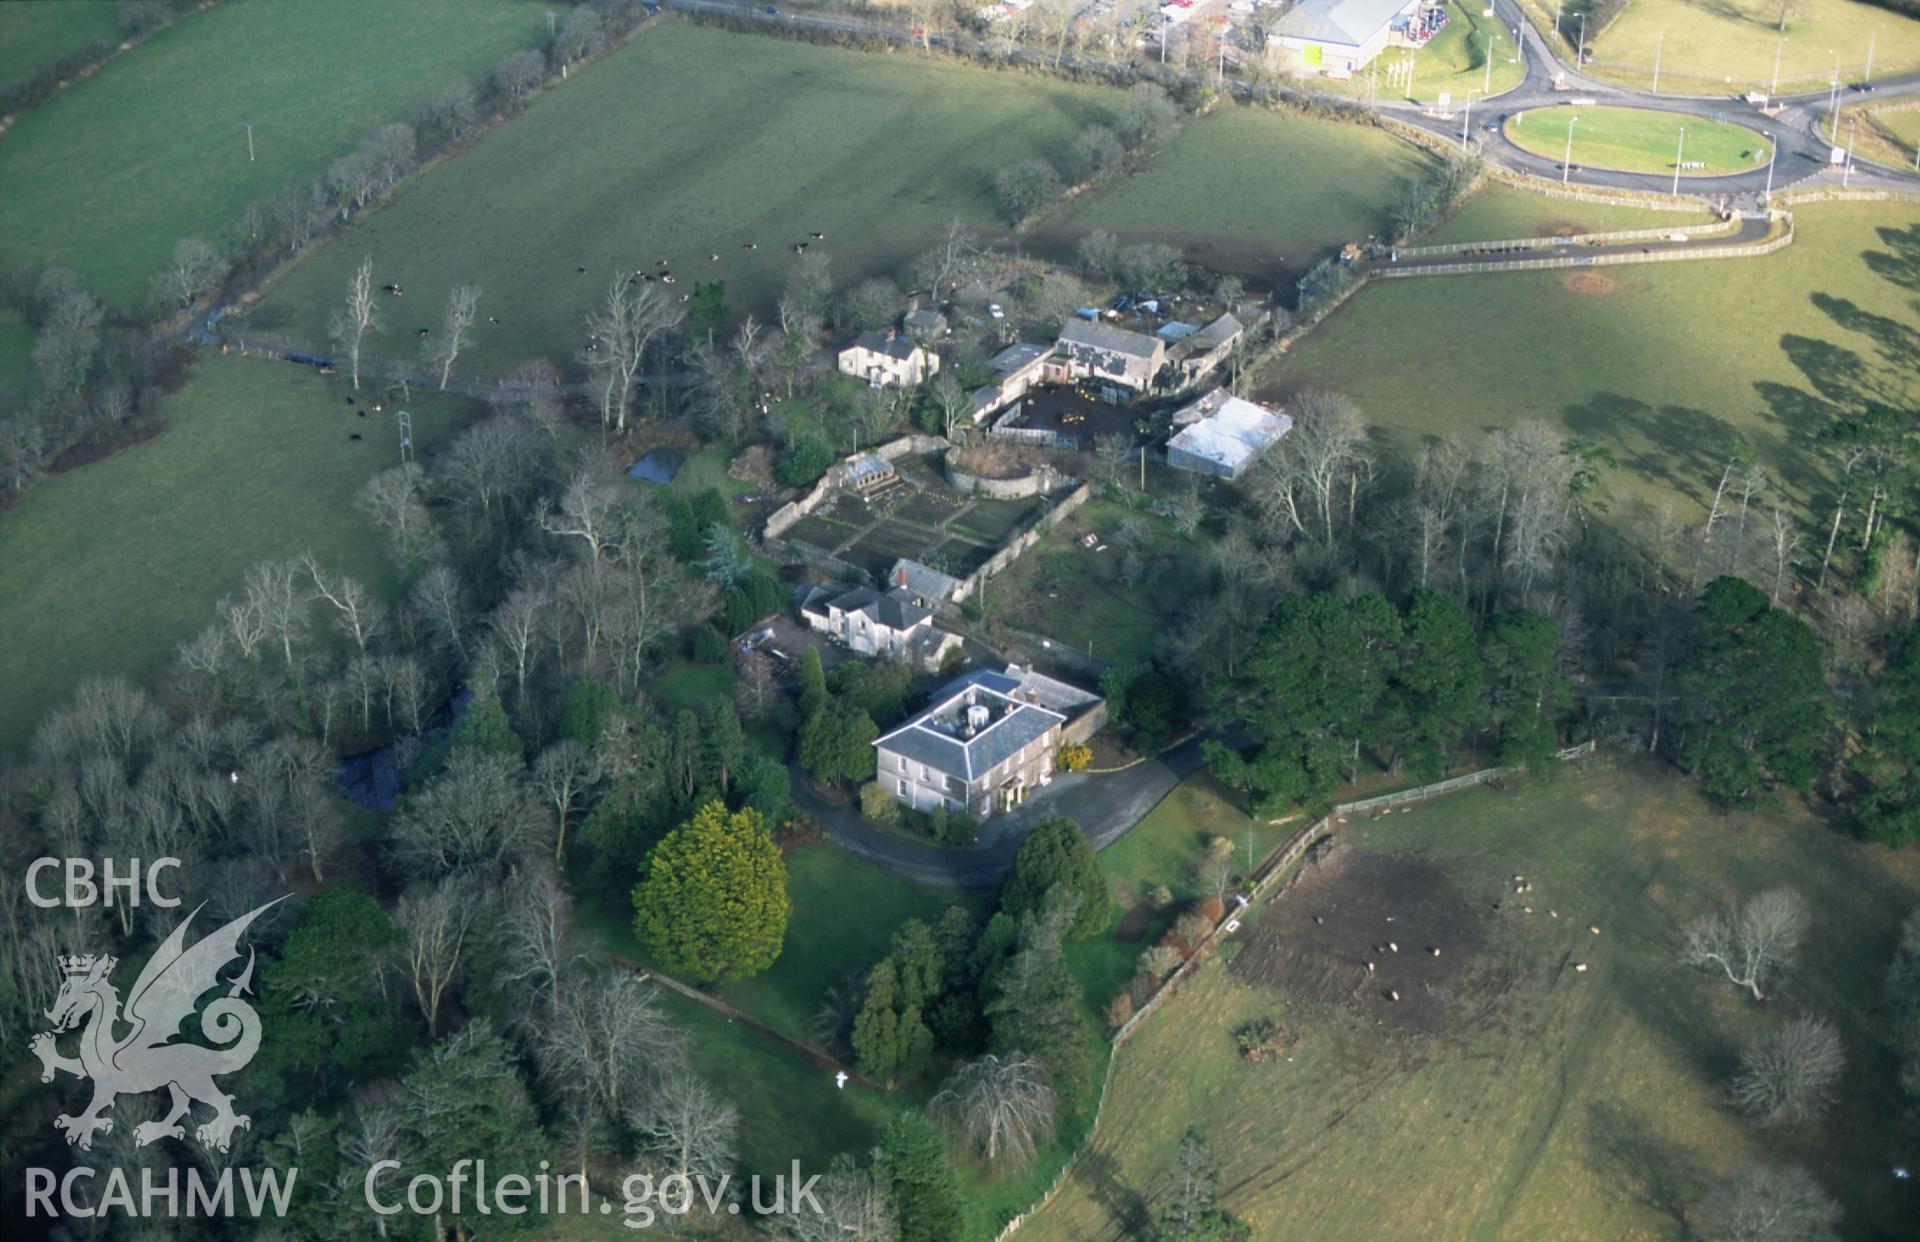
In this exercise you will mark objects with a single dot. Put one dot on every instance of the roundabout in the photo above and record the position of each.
(1637, 140)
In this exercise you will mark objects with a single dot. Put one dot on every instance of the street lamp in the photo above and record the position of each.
(1678, 154)
(1777, 49)
(1466, 123)
(1580, 53)
(1566, 165)
(1486, 87)
(1773, 149)
(1658, 48)
(1866, 79)
(1833, 97)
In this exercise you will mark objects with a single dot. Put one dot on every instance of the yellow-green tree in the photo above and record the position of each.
(712, 903)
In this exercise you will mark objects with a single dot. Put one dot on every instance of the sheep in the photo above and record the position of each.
(666, 278)
(713, 258)
(751, 246)
(493, 319)
(1434, 950)
(424, 332)
(1526, 909)
(1389, 918)
(1553, 914)
(1392, 947)
(1393, 995)
(1318, 921)
(818, 236)
(1369, 967)
(659, 262)
(800, 248)
(1518, 878)
(1580, 967)
(1594, 930)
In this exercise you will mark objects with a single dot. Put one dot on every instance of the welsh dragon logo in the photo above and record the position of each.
(166, 994)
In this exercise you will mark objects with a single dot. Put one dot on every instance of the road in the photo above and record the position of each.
(1105, 804)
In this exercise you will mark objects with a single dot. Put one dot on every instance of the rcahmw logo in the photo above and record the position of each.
(166, 994)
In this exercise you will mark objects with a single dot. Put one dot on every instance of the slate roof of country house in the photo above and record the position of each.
(1106, 336)
(936, 736)
(900, 347)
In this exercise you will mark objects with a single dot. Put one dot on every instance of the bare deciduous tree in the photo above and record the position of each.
(475, 816)
(561, 774)
(360, 615)
(537, 933)
(194, 271)
(588, 512)
(1311, 482)
(438, 920)
(393, 499)
(689, 1130)
(853, 1207)
(1789, 1073)
(463, 304)
(1003, 1107)
(633, 316)
(1758, 1204)
(349, 324)
(1751, 945)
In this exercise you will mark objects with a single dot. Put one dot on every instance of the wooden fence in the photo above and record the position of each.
(1592, 260)
(1729, 225)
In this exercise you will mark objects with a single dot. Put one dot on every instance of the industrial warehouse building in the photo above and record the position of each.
(1338, 37)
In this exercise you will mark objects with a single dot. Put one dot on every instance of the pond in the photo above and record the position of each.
(658, 466)
(376, 778)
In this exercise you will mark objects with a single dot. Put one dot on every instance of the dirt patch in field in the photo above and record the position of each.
(1563, 228)
(1592, 284)
(1314, 944)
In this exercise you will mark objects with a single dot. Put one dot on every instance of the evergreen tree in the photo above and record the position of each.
(723, 745)
(592, 705)
(813, 683)
(1056, 852)
(713, 901)
(912, 1164)
(1436, 682)
(1036, 1003)
(466, 1101)
(1889, 758)
(1519, 653)
(836, 744)
(1751, 699)
(486, 728)
(890, 1039)
(1311, 688)
(324, 1002)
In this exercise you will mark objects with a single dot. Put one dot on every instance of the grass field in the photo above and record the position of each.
(1707, 42)
(1075, 595)
(107, 567)
(690, 142)
(1498, 212)
(1670, 365)
(152, 148)
(1575, 1104)
(33, 35)
(1637, 140)
(1452, 63)
(1886, 134)
(1257, 215)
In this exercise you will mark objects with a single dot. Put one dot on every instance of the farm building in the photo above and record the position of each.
(1221, 434)
(928, 586)
(874, 623)
(1199, 352)
(868, 473)
(888, 360)
(1102, 351)
(986, 741)
(1015, 369)
(923, 324)
(1338, 38)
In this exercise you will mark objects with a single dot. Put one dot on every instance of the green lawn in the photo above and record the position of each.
(1637, 140)
(35, 33)
(1453, 63)
(688, 686)
(1258, 214)
(1670, 365)
(687, 143)
(1499, 212)
(107, 567)
(153, 149)
(1579, 1104)
(1709, 41)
